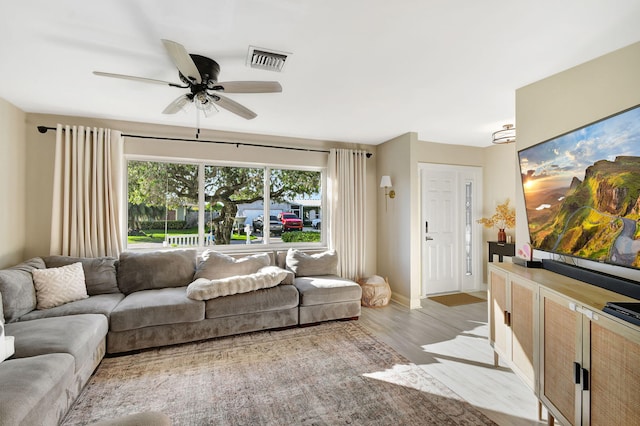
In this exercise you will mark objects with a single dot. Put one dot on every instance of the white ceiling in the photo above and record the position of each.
(360, 71)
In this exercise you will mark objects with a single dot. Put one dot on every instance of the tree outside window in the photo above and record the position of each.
(164, 204)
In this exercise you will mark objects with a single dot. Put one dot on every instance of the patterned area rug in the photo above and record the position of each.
(330, 374)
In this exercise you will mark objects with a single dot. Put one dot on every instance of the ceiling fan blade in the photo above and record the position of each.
(233, 106)
(182, 60)
(177, 105)
(134, 78)
(248, 87)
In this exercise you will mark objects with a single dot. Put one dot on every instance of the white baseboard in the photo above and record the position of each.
(405, 301)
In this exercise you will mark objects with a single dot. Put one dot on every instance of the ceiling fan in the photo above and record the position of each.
(199, 74)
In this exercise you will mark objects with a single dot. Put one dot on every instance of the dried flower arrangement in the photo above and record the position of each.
(504, 217)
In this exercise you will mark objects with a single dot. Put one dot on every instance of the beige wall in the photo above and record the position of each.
(13, 193)
(500, 182)
(399, 228)
(41, 148)
(394, 251)
(572, 99)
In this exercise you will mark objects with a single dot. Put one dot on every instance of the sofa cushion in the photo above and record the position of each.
(216, 265)
(326, 290)
(100, 274)
(304, 265)
(276, 298)
(100, 304)
(57, 286)
(78, 335)
(18, 292)
(156, 269)
(265, 277)
(35, 390)
(156, 307)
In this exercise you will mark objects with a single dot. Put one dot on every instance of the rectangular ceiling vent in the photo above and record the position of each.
(266, 59)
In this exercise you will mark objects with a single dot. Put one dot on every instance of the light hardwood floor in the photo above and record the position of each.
(450, 343)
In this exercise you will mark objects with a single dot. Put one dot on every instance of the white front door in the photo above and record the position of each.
(450, 235)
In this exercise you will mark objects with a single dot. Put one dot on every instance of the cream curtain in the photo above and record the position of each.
(346, 194)
(87, 192)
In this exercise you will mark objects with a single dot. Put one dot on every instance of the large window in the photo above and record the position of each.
(198, 205)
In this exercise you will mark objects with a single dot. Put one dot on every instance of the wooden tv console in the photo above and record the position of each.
(582, 363)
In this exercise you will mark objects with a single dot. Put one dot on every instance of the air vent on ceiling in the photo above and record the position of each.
(266, 59)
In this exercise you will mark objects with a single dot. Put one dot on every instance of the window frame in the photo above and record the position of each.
(266, 244)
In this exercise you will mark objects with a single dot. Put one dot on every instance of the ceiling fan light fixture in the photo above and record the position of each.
(205, 104)
(266, 59)
(506, 135)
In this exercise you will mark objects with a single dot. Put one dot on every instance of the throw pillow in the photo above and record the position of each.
(305, 265)
(99, 273)
(57, 286)
(266, 277)
(156, 269)
(216, 265)
(18, 292)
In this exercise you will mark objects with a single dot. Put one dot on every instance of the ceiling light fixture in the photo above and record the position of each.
(205, 104)
(506, 135)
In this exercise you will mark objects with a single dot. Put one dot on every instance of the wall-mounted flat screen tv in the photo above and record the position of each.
(582, 191)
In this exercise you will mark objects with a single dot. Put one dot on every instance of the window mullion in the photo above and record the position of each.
(266, 207)
(201, 207)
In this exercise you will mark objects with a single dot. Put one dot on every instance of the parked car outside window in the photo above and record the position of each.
(275, 226)
(290, 222)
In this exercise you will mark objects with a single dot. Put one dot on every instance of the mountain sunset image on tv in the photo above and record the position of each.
(582, 191)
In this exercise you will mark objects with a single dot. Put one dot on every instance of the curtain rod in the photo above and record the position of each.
(44, 129)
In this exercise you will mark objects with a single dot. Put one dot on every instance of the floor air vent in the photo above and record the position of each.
(266, 59)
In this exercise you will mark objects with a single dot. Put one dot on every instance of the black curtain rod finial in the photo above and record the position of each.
(43, 129)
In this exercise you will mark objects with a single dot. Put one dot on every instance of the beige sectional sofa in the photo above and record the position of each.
(144, 300)
(324, 295)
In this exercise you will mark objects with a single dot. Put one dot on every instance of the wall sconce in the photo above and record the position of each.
(385, 183)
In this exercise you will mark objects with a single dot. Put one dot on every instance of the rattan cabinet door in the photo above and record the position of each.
(614, 392)
(522, 320)
(561, 349)
(499, 332)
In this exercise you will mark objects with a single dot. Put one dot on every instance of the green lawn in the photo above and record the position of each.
(157, 235)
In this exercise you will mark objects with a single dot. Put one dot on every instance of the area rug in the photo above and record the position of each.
(457, 299)
(330, 374)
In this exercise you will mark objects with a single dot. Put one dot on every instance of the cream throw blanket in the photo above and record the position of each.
(205, 289)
